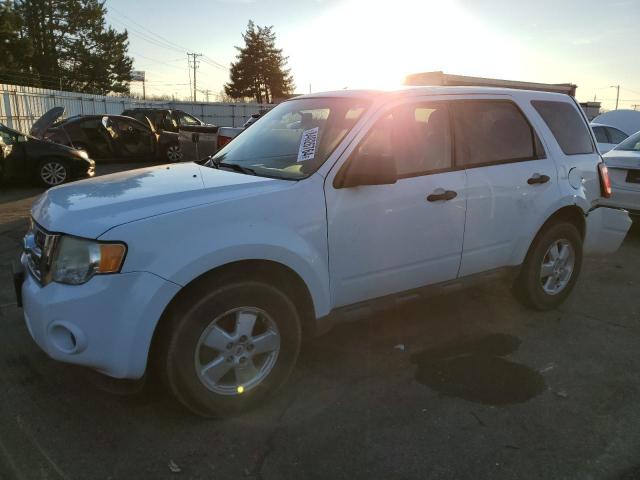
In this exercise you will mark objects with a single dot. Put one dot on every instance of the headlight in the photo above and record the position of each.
(77, 260)
(83, 154)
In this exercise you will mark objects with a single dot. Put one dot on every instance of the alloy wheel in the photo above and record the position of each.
(237, 351)
(53, 173)
(174, 153)
(557, 267)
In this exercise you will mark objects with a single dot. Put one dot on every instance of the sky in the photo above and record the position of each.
(336, 44)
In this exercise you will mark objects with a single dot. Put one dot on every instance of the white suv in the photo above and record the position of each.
(331, 202)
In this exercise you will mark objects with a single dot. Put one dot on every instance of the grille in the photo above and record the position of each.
(38, 249)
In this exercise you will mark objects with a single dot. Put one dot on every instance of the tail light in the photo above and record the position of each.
(223, 140)
(605, 181)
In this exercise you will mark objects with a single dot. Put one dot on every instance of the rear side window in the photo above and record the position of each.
(616, 135)
(567, 126)
(601, 135)
(488, 131)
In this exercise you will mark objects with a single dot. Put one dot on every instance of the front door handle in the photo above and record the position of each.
(537, 178)
(440, 194)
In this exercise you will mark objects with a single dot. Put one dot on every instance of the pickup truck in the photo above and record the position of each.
(331, 205)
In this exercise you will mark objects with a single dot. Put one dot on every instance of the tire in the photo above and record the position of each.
(173, 153)
(52, 172)
(202, 346)
(548, 275)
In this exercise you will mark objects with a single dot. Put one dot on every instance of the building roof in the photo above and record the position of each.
(445, 79)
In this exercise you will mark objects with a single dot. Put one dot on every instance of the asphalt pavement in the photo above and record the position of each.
(465, 386)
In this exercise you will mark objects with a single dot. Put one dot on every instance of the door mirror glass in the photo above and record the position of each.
(21, 139)
(368, 169)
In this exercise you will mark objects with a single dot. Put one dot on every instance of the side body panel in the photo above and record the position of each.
(287, 226)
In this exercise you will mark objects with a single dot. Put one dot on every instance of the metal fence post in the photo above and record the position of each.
(7, 109)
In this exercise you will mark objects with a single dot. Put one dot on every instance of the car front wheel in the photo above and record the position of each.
(52, 172)
(173, 153)
(226, 349)
(551, 267)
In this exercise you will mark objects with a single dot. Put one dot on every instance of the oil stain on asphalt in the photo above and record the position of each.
(475, 370)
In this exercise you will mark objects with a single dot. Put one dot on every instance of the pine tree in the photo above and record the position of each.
(67, 45)
(260, 70)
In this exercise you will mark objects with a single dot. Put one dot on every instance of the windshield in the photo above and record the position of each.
(295, 138)
(631, 144)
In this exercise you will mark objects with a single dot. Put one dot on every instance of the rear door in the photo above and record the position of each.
(511, 182)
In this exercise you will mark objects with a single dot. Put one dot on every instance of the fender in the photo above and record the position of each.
(200, 239)
(522, 247)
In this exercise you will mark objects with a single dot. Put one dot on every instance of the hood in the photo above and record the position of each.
(89, 208)
(622, 159)
(45, 121)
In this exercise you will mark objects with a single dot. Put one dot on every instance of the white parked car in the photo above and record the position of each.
(624, 170)
(331, 203)
(607, 136)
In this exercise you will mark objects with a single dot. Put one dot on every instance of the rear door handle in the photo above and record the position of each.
(440, 194)
(537, 178)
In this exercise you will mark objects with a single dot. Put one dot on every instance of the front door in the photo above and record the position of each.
(134, 141)
(385, 239)
(512, 184)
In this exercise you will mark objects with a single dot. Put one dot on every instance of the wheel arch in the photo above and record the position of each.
(275, 273)
(568, 213)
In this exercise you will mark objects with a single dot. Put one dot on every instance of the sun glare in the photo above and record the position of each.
(371, 44)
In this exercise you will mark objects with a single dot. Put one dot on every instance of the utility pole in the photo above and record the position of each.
(144, 90)
(617, 87)
(195, 67)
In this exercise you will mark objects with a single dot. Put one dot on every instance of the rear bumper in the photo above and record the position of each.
(606, 229)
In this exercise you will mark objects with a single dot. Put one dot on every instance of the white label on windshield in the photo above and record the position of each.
(308, 144)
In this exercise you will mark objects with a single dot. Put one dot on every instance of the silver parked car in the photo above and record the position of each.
(623, 162)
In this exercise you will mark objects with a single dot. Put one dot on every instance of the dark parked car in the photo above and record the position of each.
(115, 138)
(26, 157)
(186, 126)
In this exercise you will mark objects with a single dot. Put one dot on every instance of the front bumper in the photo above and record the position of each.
(106, 324)
(83, 170)
(606, 229)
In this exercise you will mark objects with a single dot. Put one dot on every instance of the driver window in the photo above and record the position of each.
(187, 120)
(416, 136)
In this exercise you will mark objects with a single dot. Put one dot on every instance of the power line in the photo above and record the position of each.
(162, 38)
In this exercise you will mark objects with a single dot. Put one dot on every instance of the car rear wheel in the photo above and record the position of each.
(52, 172)
(551, 268)
(173, 153)
(225, 350)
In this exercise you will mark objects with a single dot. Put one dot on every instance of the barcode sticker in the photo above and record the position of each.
(308, 144)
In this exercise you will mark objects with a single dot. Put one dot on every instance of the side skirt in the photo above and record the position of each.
(357, 311)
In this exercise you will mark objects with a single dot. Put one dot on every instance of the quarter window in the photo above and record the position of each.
(492, 132)
(567, 125)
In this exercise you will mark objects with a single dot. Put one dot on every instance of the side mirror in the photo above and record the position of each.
(21, 139)
(367, 169)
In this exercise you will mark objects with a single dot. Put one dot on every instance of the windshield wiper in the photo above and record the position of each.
(235, 167)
